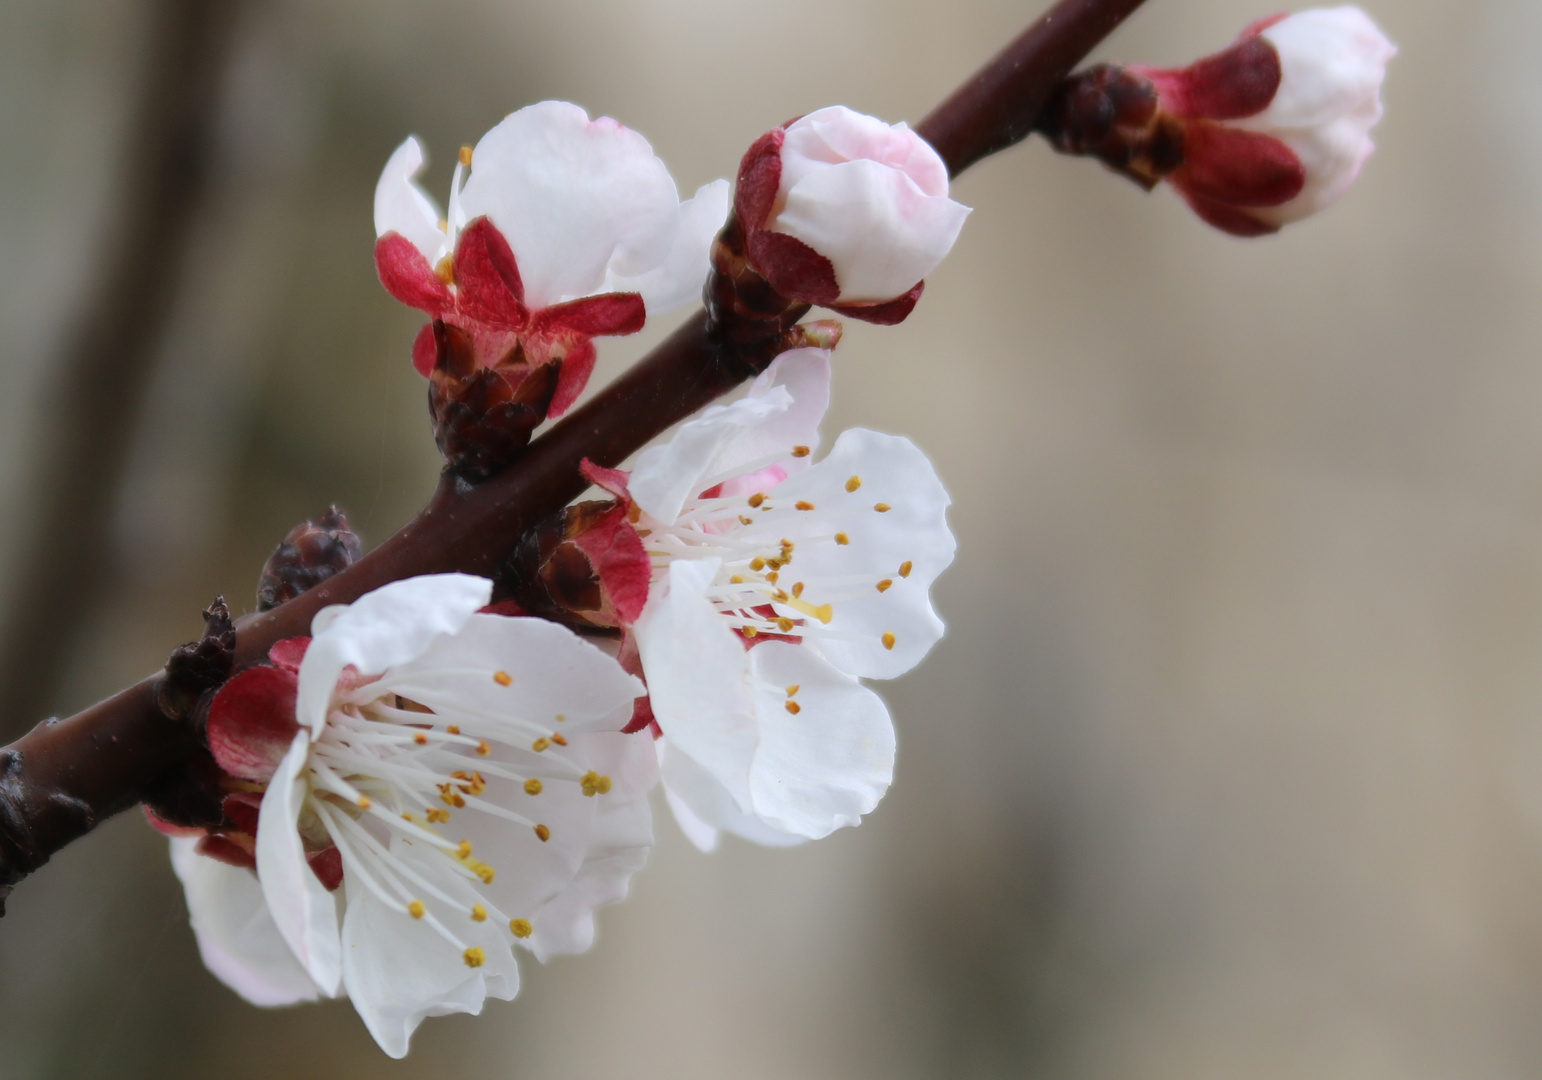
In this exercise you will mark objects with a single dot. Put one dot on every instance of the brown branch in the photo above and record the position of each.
(62, 778)
(99, 381)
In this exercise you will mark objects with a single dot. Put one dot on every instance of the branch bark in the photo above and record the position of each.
(64, 777)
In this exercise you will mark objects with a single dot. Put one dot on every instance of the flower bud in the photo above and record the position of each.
(312, 552)
(843, 210)
(1266, 132)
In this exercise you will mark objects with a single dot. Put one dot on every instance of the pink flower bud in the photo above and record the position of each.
(843, 210)
(1276, 127)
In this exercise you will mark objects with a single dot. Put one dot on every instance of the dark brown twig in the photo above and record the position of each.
(64, 777)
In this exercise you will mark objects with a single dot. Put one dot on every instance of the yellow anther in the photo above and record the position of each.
(854, 483)
(757, 564)
(364, 803)
(736, 580)
(416, 909)
(444, 225)
(445, 271)
(794, 708)
(542, 833)
(483, 748)
(478, 913)
(533, 786)
(465, 156)
(560, 718)
(882, 508)
(774, 564)
(905, 568)
(746, 520)
(883, 586)
(540, 744)
(842, 538)
(421, 739)
(793, 689)
(750, 631)
(888, 640)
(804, 504)
(779, 595)
(757, 498)
(503, 678)
(475, 957)
(784, 624)
(797, 588)
(800, 451)
(772, 577)
(521, 928)
(465, 849)
(485, 872)
(408, 817)
(453, 729)
(437, 816)
(558, 739)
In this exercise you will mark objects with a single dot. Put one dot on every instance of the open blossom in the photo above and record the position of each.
(558, 229)
(418, 787)
(844, 210)
(757, 587)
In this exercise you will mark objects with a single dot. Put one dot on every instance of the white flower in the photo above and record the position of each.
(468, 772)
(844, 210)
(822, 569)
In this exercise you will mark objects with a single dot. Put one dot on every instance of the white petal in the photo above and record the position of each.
(805, 374)
(401, 205)
(1332, 63)
(399, 970)
(551, 671)
(698, 677)
(666, 476)
(702, 804)
(237, 938)
(678, 280)
(821, 768)
(304, 912)
(574, 198)
(389, 626)
(880, 231)
(893, 472)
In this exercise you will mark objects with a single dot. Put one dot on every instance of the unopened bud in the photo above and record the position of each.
(1266, 132)
(312, 552)
(484, 416)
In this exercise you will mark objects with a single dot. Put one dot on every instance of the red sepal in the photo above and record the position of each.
(572, 377)
(406, 275)
(611, 480)
(252, 722)
(241, 810)
(1229, 219)
(506, 608)
(619, 559)
(642, 708)
(1235, 83)
(887, 313)
(166, 828)
(489, 289)
(327, 865)
(760, 175)
(606, 315)
(1238, 168)
(288, 653)
(229, 849)
(1255, 28)
(793, 268)
(424, 352)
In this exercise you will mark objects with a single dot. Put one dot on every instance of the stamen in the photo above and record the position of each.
(797, 588)
(746, 520)
(540, 744)
(592, 784)
(793, 689)
(483, 748)
(888, 640)
(521, 928)
(542, 833)
(757, 564)
(533, 786)
(416, 909)
(503, 678)
(736, 579)
(453, 729)
(904, 570)
(800, 451)
(750, 631)
(883, 586)
(854, 483)
(421, 739)
(842, 538)
(757, 498)
(803, 504)
(364, 803)
(560, 718)
(478, 913)
(465, 156)
(882, 508)
(773, 577)
(558, 739)
(465, 849)
(794, 708)
(784, 624)
(445, 271)
(475, 957)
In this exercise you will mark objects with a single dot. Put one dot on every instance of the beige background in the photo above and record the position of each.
(1231, 763)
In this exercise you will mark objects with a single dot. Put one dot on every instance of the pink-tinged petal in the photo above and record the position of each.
(408, 277)
(612, 480)
(616, 552)
(887, 314)
(837, 134)
(402, 207)
(575, 198)
(166, 828)
(252, 722)
(304, 912)
(1238, 168)
(759, 480)
(389, 626)
(1331, 156)
(487, 278)
(236, 936)
(696, 672)
(793, 268)
(826, 753)
(760, 175)
(424, 350)
(572, 377)
(679, 279)
(288, 653)
(609, 314)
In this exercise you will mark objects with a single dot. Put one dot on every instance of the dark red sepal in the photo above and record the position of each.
(619, 559)
(792, 268)
(489, 289)
(406, 275)
(242, 809)
(642, 708)
(167, 828)
(1229, 219)
(888, 313)
(252, 722)
(1238, 168)
(760, 176)
(1235, 83)
(230, 849)
(424, 351)
(327, 865)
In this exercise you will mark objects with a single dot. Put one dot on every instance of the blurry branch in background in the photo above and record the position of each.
(64, 777)
(98, 381)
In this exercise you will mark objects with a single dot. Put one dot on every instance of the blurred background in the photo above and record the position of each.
(1231, 762)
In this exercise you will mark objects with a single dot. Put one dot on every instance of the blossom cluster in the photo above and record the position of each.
(452, 770)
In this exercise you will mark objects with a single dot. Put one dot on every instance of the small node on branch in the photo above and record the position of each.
(199, 666)
(312, 552)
